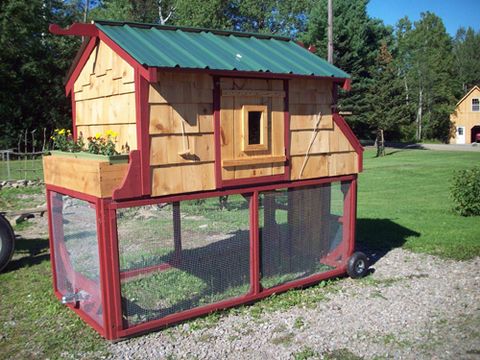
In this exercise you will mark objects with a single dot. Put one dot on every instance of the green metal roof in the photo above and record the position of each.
(194, 48)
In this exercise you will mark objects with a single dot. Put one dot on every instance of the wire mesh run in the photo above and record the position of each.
(178, 256)
(75, 244)
(301, 232)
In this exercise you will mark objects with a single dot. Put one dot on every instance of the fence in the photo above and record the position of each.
(24, 162)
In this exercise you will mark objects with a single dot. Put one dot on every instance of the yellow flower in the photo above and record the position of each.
(98, 135)
(69, 132)
(61, 132)
(52, 137)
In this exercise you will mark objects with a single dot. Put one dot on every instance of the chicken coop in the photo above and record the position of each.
(240, 181)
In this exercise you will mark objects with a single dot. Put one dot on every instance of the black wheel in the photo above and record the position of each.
(7, 242)
(357, 265)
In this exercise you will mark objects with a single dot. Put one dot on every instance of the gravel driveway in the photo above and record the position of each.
(413, 306)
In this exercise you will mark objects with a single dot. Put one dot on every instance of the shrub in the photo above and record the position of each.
(465, 191)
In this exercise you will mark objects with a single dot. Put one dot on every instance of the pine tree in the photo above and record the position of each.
(356, 43)
(386, 98)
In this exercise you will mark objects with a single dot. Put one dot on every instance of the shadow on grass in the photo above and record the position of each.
(376, 237)
(31, 252)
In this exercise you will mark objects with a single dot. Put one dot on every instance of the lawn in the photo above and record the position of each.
(27, 169)
(403, 200)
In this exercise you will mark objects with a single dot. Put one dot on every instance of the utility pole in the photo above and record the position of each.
(330, 32)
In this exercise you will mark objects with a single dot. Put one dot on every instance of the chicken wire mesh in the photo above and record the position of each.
(178, 256)
(75, 244)
(301, 232)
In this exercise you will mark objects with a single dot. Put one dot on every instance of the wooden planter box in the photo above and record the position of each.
(93, 176)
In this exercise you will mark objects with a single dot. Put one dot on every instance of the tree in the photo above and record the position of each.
(386, 97)
(356, 40)
(466, 58)
(427, 60)
(32, 66)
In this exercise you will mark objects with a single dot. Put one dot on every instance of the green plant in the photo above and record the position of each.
(465, 191)
(63, 141)
(103, 144)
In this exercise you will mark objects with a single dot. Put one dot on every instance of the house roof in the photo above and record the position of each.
(195, 48)
(468, 94)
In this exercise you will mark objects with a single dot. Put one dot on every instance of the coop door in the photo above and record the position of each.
(252, 128)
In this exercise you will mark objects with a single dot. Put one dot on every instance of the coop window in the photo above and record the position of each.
(255, 127)
(460, 131)
(475, 104)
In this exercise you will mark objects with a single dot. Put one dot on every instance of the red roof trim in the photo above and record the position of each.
(76, 29)
(342, 124)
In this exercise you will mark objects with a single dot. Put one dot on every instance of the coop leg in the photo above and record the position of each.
(177, 233)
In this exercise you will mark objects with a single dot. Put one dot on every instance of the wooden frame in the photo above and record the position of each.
(263, 128)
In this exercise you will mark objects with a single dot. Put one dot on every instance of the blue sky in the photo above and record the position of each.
(454, 13)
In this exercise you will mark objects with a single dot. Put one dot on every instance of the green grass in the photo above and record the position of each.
(33, 324)
(403, 200)
(21, 198)
(17, 169)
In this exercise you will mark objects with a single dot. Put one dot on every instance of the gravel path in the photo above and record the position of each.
(413, 306)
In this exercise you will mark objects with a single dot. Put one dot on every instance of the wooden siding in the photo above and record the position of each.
(464, 116)
(173, 100)
(331, 154)
(240, 164)
(104, 95)
(92, 177)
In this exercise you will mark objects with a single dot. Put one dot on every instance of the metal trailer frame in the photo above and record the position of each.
(110, 277)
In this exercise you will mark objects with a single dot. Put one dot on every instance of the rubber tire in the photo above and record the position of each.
(357, 266)
(7, 237)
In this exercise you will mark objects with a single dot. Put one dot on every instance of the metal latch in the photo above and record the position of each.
(73, 298)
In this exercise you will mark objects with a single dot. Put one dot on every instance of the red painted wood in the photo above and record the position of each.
(72, 193)
(347, 85)
(50, 238)
(251, 74)
(114, 280)
(225, 192)
(106, 270)
(253, 180)
(80, 64)
(342, 124)
(217, 132)
(76, 29)
(254, 246)
(129, 188)
(74, 117)
(142, 109)
(128, 274)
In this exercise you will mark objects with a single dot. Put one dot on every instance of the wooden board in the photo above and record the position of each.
(165, 149)
(105, 97)
(87, 176)
(183, 178)
(168, 118)
(118, 109)
(323, 165)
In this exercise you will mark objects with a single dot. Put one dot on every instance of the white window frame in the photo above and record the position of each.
(477, 105)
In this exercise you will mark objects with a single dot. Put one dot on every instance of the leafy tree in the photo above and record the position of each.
(467, 60)
(425, 54)
(32, 66)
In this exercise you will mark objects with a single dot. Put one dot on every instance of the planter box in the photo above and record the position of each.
(97, 176)
(112, 159)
